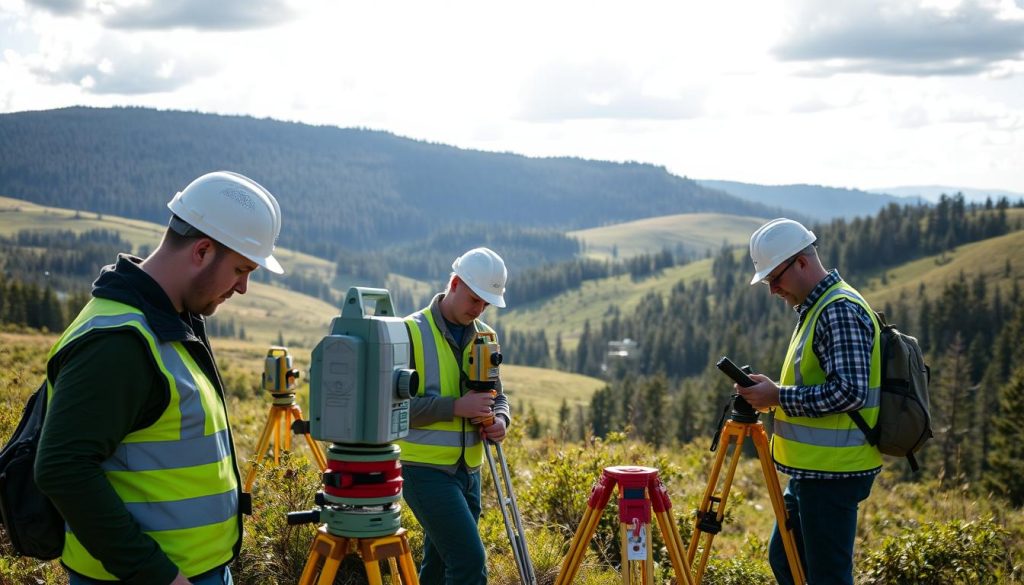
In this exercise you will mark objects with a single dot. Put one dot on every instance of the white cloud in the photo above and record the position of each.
(65, 7)
(896, 37)
(118, 65)
(199, 14)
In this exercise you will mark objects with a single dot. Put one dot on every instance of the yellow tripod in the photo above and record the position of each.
(277, 425)
(640, 490)
(331, 550)
(285, 415)
(742, 423)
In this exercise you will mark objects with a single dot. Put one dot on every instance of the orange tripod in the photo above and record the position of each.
(332, 549)
(640, 489)
(279, 379)
(282, 420)
(743, 423)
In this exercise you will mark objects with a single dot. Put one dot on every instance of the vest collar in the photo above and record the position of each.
(126, 282)
(819, 289)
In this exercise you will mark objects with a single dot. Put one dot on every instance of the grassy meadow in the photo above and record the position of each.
(941, 532)
(696, 232)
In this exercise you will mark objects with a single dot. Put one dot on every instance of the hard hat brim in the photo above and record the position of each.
(270, 263)
(759, 276)
(490, 298)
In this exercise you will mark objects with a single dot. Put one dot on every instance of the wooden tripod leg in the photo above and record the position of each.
(771, 480)
(277, 435)
(674, 543)
(332, 549)
(286, 430)
(318, 455)
(261, 446)
(733, 434)
(578, 548)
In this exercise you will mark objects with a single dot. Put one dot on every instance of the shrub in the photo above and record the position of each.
(957, 551)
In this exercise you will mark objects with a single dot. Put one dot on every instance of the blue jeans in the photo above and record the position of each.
(448, 508)
(219, 577)
(823, 513)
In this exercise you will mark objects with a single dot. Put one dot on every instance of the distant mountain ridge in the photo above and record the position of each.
(932, 193)
(817, 201)
(341, 189)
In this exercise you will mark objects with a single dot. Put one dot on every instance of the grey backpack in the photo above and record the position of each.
(904, 422)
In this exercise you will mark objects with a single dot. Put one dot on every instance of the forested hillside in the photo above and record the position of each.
(341, 189)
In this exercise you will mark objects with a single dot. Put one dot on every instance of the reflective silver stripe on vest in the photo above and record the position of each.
(189, 513)
(431, 368)
(435, 438)
(158, 455)
(852, 437)
(818, 308)
(190, 406)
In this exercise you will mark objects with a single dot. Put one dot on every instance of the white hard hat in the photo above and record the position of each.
(775, 241)
(235, 211)
(484, 272)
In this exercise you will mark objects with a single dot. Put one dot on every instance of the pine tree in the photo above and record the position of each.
(952, 409)
(532, 423)
(563, 420)
(1006, 462)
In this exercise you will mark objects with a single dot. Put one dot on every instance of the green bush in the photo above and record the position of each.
(738, 571)
(975, 553)
(272, 551)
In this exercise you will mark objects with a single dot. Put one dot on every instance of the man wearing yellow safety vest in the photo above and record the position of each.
(442, 455)
(136, 452)
(832, 367)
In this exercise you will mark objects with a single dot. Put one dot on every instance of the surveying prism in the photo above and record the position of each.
(742, 422)
(360, 384)
(484, 359)
(279, 379)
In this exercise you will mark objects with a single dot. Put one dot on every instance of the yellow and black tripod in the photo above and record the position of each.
(285, 416)
(742, 423)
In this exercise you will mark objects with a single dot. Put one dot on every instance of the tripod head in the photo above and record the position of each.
(742, 411)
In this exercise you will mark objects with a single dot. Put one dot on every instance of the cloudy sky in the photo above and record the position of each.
(854, 93)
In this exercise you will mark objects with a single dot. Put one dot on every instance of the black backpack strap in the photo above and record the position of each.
(862, 424)
(913, 463)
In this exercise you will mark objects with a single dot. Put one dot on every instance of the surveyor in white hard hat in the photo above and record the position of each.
(136, 450)
(832, 368)
(443, 453)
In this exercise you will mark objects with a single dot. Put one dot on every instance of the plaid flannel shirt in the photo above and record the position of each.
(843, 339)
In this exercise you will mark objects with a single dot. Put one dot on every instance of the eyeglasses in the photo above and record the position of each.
(771, 280)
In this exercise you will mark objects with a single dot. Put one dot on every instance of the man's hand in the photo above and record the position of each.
(496, 432)
(474, 404)
(763, 395)
(181, 580)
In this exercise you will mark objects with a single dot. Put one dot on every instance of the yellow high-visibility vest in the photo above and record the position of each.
(442, 442)
(830, 443)
(177, 477)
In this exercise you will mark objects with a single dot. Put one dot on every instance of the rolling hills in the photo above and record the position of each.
(695, 233)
